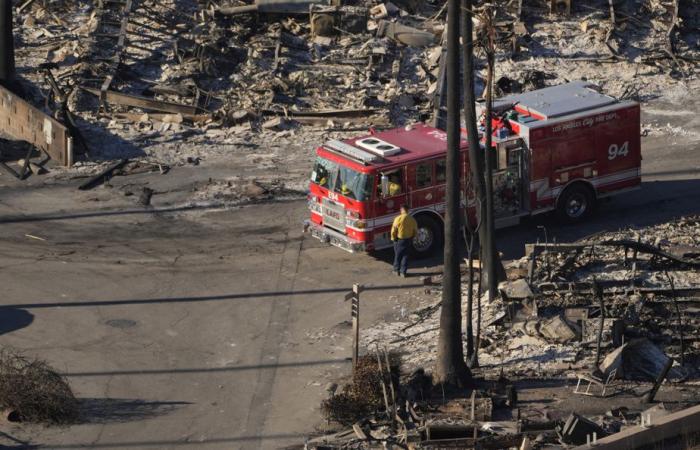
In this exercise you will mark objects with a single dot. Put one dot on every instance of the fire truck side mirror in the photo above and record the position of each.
(385, 185)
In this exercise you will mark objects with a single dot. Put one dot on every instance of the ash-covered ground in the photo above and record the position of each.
(267, 88)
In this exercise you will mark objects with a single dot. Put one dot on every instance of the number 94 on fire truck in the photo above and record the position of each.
(560, 148)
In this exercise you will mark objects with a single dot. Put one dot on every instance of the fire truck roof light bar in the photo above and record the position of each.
(349, 150)
(378, 146)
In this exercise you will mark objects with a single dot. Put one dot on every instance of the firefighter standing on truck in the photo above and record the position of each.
(403, 230)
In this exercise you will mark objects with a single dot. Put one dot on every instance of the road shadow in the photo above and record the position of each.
(654, 203)
(12, 319)
(212, 298)
(104, 145)
(203, 370)
(185, 442)
(414, 263)
(119, 410)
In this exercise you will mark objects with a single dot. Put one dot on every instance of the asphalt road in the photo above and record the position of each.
(183, 329)
(205, 328)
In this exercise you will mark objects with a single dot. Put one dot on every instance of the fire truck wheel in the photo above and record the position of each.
(576, 203)
(429, 237)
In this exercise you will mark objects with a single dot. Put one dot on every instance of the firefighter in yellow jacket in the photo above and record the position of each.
(403, 230)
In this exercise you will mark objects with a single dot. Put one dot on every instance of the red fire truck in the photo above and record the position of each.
(560, 148)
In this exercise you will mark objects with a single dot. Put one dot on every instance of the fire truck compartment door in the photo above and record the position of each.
(509, 181)
(421, 184)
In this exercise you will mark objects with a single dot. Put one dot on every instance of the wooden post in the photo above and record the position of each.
(473, 405)
(598, 294)
(532, 264)
(678, 315)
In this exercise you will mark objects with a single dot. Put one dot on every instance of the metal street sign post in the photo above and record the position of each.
(354, 296)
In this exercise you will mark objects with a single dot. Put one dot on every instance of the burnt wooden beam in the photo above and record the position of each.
(117, 98)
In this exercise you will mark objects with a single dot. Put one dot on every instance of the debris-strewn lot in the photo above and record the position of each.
(549, 323)
(596, 327)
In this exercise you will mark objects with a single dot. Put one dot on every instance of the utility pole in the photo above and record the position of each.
(451, 369)
(7, 46)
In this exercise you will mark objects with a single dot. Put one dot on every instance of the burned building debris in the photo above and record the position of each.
(610, 319)
(158, 74)
(549, 314)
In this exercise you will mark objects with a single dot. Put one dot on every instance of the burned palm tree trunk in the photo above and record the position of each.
(450, 367)
(476, 164)
(490, 253)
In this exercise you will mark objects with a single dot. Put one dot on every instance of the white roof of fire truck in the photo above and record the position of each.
(535, 108)
(557, 101)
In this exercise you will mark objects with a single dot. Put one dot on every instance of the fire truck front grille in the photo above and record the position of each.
(333, 215)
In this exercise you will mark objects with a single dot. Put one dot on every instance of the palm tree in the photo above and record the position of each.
(451, 369)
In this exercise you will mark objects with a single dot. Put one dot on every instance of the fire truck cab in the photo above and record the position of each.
(560, 148)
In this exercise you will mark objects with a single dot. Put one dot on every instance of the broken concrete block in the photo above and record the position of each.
(278, 123)
(410, 36)
(557, 329)
(517, 289)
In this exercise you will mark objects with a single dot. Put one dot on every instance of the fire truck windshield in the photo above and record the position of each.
(343, 180)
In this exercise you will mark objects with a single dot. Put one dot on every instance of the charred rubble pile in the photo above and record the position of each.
(213, 73)
(613, 319)
(469, 423)
(549, 314)
(379, 408)
(189, 69)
